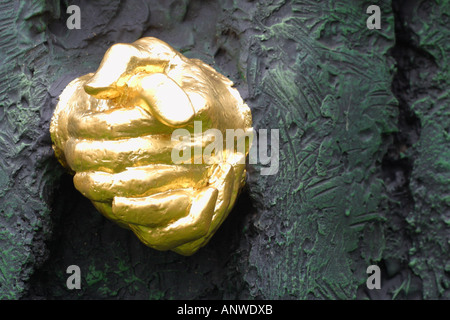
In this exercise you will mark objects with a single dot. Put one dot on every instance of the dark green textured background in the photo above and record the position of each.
(364, 167)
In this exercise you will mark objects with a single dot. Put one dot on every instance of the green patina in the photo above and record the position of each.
(430, 179)
(332, 120)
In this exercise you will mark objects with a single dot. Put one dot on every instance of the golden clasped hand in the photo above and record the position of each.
(114, 130)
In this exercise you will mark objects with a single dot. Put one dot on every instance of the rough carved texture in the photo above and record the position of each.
(25, 177)
(311, 69)
(321, 218)
(426, 64)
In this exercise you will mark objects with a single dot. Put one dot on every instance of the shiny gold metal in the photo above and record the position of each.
(113, 130)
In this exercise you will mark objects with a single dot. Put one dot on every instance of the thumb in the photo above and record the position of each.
(164, 99)
(122, 61)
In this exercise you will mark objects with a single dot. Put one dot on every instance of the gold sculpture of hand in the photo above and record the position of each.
(113, 130)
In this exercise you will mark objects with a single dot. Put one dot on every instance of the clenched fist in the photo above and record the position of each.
(114, 130)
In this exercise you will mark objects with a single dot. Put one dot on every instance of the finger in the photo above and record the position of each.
(212, 95)
(105, 208)
(193, 226)
(210, 70)
(115, 124)
(140, 181)
(165, 100)
(72, 98)
(237, 161)
(122, 61)
(116, 155)
(228, 178)
(223, 180)
(155, 210)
